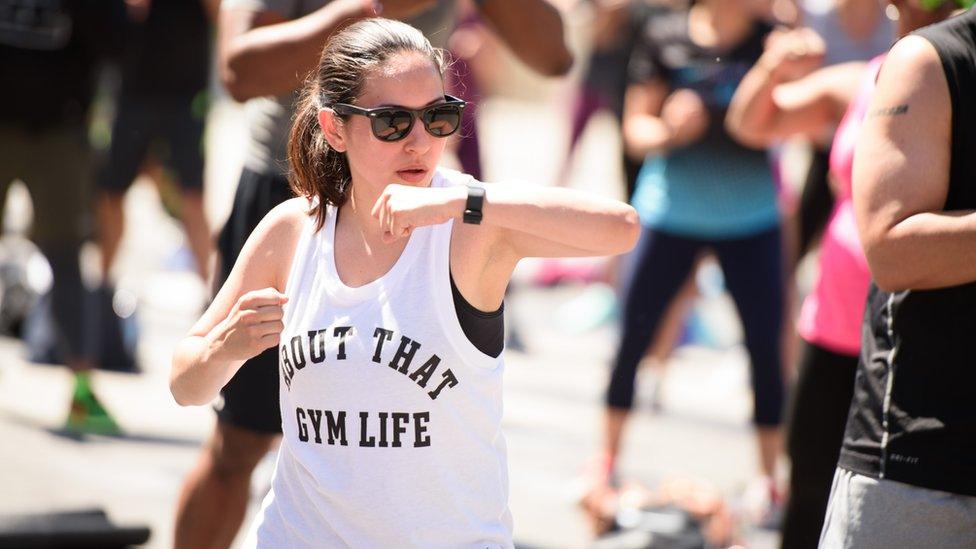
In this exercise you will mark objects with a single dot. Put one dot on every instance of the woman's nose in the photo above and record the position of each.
(418, 140)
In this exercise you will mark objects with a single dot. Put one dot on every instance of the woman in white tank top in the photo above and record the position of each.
(391, 416)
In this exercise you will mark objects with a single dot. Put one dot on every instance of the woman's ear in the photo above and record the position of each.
(331, 130)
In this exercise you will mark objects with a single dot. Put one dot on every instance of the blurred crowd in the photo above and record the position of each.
(737, 122)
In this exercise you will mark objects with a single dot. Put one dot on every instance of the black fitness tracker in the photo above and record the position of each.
(472, 208)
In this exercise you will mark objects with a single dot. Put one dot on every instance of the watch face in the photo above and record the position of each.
(472, 217)
(472, 207)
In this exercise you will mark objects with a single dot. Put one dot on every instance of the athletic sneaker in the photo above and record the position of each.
(88, 416)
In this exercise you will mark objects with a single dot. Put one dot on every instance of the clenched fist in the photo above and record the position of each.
(402, 208)
(793, 54)
(253, 325)
(685, 113)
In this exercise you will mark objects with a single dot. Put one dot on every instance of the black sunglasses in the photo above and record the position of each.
(395, 123)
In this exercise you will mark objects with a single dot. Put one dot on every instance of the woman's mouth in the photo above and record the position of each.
(412, 175)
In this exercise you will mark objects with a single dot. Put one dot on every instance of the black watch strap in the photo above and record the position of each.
(472, 208)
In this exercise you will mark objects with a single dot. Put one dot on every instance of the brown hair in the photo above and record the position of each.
(317, 170)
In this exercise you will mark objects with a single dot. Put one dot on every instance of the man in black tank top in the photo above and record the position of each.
(907, 470)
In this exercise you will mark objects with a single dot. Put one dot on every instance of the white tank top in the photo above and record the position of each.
(391, 418)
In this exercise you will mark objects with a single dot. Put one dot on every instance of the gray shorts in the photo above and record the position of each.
(865, 512)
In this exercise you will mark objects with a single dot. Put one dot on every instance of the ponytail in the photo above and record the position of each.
(313, 161)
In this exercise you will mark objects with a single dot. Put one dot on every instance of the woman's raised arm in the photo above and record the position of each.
(553, 222)
(528, 221)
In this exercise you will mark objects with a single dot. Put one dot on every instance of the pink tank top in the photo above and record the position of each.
(831, 315)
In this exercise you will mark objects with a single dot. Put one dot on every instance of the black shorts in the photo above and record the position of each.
(169, 130)
(250, 399)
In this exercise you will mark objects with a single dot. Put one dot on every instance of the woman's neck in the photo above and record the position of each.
(358, 210)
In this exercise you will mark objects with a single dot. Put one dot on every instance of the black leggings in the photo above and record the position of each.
(753, 268)
(817, 417)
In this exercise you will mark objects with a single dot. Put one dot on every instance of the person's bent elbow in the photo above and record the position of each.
(238, 75)
(185, 395)
(185, 382)
(887, 272)
(558, 65)
(889, 280)
(181, 395)
(230, 77)
(236, 90)
(630, 230)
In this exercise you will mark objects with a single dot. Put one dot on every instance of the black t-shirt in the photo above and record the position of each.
(607, 68)
(50, 51)
(666, 52)
(913, 417)
(168, 54)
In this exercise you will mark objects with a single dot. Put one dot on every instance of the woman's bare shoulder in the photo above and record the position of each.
(284, 220)
(274, 240)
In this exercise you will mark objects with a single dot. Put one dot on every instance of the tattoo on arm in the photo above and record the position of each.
(888, 111)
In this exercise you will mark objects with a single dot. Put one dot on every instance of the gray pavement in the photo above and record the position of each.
(553, 388)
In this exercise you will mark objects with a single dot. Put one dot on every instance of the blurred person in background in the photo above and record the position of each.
(783, 96)
(50, 56)
(463, 45)
(265, 48)
(698, 191)
(906, 476)
(159, 119)
(852, 30)
(617, 25)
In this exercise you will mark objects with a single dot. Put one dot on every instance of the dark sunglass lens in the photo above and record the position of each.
(392, 125)
(442, 121)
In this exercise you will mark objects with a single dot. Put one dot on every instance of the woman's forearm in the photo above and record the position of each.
(197, 374)
(925, 251)
(585, 221)
(273, 59)
(753, 110)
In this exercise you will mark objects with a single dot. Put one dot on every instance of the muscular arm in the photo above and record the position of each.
(260, 53)
(901, 178)
(765, 109)
(533, 30)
